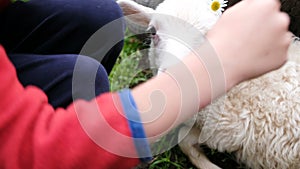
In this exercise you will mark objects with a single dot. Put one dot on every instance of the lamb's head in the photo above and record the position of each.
(176, 27)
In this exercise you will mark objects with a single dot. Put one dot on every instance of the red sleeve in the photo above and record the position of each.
(86, 135)
(4, 3)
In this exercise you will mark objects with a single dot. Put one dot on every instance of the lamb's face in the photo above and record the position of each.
(177, 26)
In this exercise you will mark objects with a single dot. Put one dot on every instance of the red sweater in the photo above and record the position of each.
(85, 135)
(4, 3)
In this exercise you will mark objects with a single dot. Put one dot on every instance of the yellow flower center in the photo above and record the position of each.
(215, 5)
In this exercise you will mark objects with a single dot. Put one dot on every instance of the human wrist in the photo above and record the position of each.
(208, 72)
(227, 55)
(136, 125)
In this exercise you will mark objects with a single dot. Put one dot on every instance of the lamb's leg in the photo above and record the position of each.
(189, 146)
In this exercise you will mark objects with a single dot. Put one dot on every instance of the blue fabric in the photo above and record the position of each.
(44, 37)
(135, 125)
(54, 73)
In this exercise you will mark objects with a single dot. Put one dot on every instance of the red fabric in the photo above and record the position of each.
(4, 3)
(35, 136)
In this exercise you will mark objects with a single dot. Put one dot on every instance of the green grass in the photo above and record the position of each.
(126, 74)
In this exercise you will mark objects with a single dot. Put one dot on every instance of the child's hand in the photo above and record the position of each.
(251, 38)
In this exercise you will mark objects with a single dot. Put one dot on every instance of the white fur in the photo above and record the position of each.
(179, 31)
(258, 119)
(172, 24)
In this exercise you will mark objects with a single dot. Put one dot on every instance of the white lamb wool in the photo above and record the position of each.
(258, 120)
(178, 32)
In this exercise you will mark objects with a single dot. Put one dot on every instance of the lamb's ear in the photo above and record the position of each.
(143, 14)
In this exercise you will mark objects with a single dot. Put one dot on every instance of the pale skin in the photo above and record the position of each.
(248, 43)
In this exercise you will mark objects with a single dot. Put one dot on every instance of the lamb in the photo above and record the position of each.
(258, 120)
(170, 33)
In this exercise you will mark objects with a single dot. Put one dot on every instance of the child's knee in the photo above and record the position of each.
(89, 78)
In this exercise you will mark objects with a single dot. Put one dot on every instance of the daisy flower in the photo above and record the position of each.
(218, 6)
